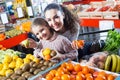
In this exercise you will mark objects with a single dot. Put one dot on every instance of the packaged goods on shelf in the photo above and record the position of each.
(96, 4)
(101, 10)
(83, 15)
(111, 15)
(96, 15)
(2, 28)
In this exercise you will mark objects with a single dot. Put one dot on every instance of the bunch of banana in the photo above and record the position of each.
(112, 63)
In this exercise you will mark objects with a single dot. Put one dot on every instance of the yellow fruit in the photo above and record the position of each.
(46, 51)
(36, 60)
(28, 56)
(2, 72)
(1, 66)
(12, 64)
(32, 57)
(5, 66)
(18, 65)
(15, 57)
(7, 59)
(26, 60)
(9, 71)
(19, 60)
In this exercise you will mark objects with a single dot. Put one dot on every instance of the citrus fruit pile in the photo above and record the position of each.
(70, 71)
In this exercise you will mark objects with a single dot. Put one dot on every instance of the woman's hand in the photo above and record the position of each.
(77, 44)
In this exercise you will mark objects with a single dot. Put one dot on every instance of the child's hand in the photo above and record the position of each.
(29, 43)
(58, 57)
(32, 43)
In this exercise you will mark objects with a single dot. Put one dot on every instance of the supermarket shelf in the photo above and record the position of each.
(80, 2)
(95, 22)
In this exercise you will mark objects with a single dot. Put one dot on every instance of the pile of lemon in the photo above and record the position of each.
(11, 63)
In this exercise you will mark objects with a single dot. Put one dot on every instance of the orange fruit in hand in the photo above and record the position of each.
(77, 67)
(47, 57)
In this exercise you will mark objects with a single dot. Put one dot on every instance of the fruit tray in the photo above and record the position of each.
(11, 42)
(47, 70)
(97, 69)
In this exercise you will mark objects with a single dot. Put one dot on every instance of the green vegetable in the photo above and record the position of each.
(112, 43)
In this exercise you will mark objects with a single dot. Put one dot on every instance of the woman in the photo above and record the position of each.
(62, 21)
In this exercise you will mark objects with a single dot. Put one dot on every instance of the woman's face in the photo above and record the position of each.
(55, 19)
(41, 32)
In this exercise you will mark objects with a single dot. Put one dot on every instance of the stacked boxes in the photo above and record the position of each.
(101, 10)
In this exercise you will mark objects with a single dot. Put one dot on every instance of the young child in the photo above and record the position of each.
(48, 38)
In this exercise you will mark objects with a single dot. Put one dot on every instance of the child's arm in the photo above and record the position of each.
(69, 52)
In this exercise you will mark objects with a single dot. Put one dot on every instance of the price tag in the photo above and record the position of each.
(105, 25)
(20, 12)
(4, 18)
(30, 11)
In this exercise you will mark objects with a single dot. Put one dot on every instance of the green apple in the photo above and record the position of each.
(25, 43)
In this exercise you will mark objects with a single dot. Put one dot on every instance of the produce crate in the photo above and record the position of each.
(96, 15)
(2, 28)
(96, 69)
(47, 70)
(96, 4)
(11, 42)
(111, 15)
(83, 15)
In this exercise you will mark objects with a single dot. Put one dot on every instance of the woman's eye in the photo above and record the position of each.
(56, 16)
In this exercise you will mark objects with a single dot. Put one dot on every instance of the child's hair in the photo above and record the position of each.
(40, 21)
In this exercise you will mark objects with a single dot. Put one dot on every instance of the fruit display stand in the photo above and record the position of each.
(11, 42)
(47, 70)
(74, 71)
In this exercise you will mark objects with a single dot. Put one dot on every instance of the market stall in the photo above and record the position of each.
(17, 64)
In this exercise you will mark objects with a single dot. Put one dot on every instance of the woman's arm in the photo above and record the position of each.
(69, 51)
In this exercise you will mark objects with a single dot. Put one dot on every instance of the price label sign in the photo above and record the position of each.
(105, 25)
(4, 18)
(20, 12)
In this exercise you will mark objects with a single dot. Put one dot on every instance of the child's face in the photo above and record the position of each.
(41, 32)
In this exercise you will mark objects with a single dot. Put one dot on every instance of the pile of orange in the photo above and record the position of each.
(2, 47)
(70, 71)
(2, 36)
